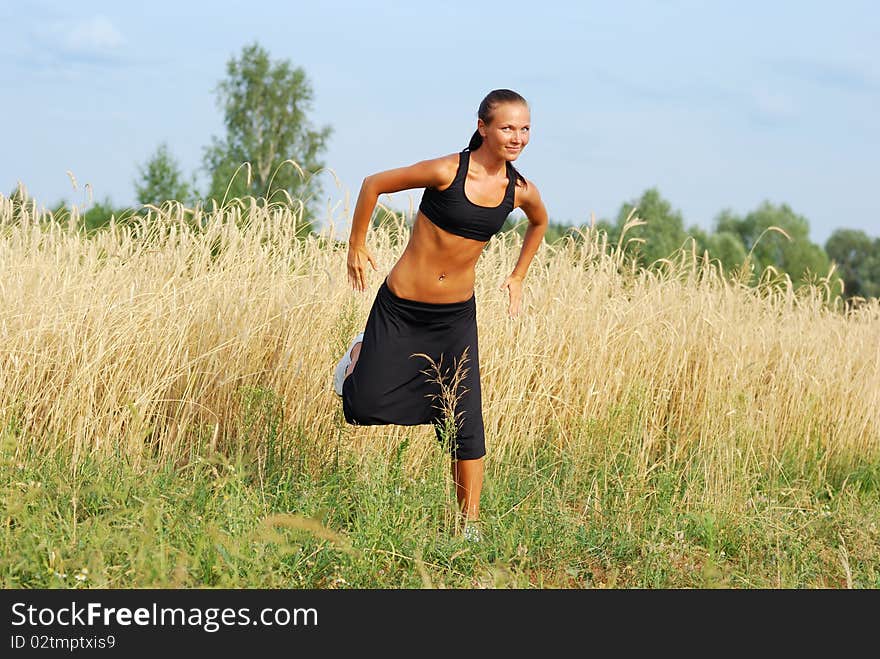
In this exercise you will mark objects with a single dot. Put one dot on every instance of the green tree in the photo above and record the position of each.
(99, 214)
(858, 261)
(609, 228)
(663, 232)
(160, 179)
(761, 233)
(265, 106)
(727, 248)
(92, 217)
(723, 247)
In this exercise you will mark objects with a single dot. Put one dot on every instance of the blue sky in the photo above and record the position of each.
(719, 105)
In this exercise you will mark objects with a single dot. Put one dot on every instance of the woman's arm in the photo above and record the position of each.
(436, 172)
(536, 213)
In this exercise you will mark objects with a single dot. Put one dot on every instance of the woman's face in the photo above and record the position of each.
(508, 132)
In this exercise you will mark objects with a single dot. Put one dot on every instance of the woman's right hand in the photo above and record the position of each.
(358, 257)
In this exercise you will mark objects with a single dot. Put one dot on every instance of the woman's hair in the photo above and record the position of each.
(487, 108)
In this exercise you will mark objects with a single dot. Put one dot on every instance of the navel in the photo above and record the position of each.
(442, 276)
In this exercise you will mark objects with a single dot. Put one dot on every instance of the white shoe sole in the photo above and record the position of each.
(343, 364)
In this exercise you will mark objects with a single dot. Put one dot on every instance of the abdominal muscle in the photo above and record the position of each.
(436, 267)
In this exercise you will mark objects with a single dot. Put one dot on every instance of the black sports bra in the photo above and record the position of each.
(452, 211)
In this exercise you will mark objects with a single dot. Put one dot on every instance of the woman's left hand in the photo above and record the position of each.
(514, 286)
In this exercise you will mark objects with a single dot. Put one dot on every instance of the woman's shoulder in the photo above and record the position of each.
(444, 168)
(433, 172)
(448, 162)
(527, 193)
(524, 183)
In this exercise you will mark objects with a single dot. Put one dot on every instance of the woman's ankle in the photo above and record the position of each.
(355, 354)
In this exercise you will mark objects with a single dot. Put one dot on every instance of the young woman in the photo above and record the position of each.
(426, 305)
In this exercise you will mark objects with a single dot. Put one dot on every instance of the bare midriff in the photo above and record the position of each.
(437, 267)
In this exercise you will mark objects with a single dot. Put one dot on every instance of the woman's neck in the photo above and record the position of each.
(492, 165)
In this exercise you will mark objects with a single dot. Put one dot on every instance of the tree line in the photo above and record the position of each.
(272, 151)
(770, 236)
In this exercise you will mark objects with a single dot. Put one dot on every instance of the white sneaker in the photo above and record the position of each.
(343, 364)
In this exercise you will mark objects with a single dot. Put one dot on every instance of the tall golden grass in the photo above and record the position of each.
(139, 341)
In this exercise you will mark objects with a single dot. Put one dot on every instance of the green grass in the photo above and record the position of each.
(551, 519)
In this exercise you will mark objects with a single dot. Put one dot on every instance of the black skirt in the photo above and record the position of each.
(395, 382)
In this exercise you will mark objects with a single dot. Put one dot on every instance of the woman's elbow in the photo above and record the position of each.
(369, 187)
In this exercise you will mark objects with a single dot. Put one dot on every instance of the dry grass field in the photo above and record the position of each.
(190, 334)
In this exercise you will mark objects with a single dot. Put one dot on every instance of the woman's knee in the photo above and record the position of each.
(357, 407)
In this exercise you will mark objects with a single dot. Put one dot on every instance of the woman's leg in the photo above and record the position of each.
(355, 353)
(468, 478)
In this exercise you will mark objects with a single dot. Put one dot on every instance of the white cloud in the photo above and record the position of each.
(94, 35)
